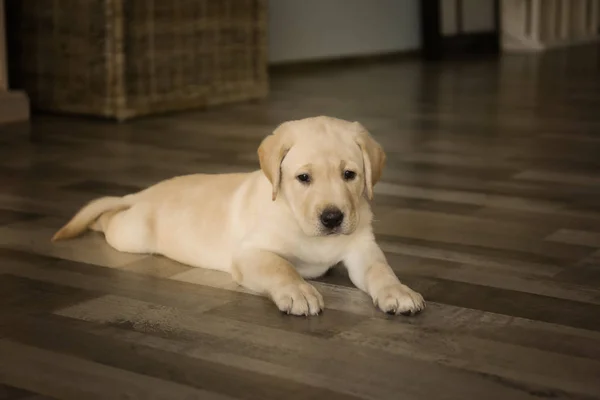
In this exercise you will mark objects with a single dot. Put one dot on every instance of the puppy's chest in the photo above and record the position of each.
(318, 255)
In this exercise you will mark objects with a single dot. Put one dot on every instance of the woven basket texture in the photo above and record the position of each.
(126, 58)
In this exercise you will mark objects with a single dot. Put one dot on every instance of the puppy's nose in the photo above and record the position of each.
(332, 217)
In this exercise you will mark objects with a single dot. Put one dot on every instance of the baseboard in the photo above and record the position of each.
(515, 44)
(14, 107)
(359, 59)
(470, 45)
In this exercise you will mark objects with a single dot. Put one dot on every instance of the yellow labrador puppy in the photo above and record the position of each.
(304, 211)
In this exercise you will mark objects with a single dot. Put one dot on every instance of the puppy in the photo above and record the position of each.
(305, 210)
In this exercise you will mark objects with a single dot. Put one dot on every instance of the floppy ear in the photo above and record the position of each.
(271, 152)
(373, 158)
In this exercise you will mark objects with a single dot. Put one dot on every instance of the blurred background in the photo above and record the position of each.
(121, 59)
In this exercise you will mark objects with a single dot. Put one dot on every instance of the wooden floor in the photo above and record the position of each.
(490, 206)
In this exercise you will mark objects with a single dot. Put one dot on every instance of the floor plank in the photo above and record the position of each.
(43, 371)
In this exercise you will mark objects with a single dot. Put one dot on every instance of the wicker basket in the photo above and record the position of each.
(127, 58)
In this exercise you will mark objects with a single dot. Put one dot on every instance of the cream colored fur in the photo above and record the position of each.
(264, 227)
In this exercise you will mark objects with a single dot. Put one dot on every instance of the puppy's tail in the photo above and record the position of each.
(89, 213)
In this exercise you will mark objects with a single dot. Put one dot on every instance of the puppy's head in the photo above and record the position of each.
(322, 168)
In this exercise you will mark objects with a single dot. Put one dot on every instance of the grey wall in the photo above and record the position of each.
(309, 29)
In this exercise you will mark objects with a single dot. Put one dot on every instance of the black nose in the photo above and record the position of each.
(332, 217)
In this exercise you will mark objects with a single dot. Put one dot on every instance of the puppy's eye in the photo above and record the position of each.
(304, 178)
(349, 175)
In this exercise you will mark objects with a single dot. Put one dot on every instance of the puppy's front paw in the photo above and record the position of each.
(298, 299)
(398, 299)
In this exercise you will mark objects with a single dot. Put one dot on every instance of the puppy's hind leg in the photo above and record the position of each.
(129, 231)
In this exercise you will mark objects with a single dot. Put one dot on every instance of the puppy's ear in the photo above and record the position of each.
(271, 153)
(373, 158)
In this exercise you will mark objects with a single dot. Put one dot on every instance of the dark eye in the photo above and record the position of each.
(304, 178)
(349, 175)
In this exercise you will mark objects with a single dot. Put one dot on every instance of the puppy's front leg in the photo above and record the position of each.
(267, 273)
(370, 272)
